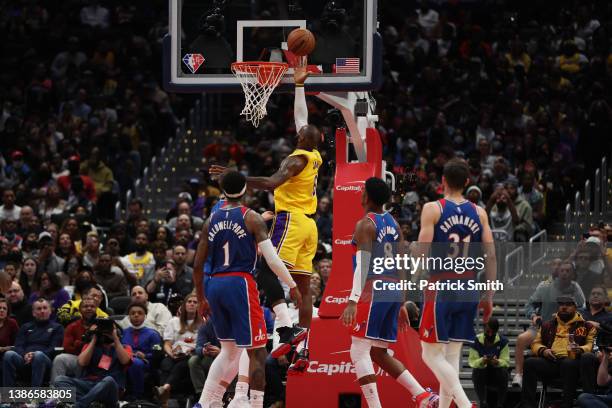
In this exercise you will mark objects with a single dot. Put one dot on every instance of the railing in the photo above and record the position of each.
(590, 205)
(541, 238)
(161, 175)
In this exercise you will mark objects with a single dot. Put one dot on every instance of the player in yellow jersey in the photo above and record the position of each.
(294, 231)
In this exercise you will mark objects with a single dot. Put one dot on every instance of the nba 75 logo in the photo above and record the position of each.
(193, 62)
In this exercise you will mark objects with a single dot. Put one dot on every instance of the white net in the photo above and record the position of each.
(258, 80)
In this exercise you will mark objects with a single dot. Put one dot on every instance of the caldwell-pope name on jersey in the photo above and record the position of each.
(460, 220)
(226, 225)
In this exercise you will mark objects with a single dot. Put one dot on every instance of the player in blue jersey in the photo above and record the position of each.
(447, 320)
(232, 236)
(373, 319)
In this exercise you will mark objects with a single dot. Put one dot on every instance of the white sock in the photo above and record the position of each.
(371, 395)
(242, 388)
(282, 315)
(410, 383)
(257, 399)
(243, 366)
(212, 392)
(434, 356)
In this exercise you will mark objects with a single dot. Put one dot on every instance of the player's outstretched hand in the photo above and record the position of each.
(296, 296)
(267, 215)
(300, 74)
(486, 305)
(216, 170)
(349, 316)
(403, 321)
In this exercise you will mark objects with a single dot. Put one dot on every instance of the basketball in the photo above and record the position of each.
(301, 42)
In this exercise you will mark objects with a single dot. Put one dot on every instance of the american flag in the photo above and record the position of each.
(347, 65)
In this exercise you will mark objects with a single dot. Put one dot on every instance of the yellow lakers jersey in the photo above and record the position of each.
(299, 193)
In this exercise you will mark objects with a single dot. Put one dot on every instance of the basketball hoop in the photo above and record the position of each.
(258, 80)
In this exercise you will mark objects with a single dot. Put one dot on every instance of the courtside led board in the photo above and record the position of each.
(206, 36)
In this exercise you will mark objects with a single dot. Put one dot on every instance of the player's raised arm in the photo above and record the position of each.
(256, 225)
(300, 109)
(198, 263)
(290, 167)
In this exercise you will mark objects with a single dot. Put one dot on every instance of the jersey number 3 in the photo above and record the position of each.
(455, 245)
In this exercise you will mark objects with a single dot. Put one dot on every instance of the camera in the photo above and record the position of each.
(103, 331)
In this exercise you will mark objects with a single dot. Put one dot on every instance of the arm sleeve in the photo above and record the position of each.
(358, 275)
(504, 356)
(275, 263)
(201, 340)
(588, 345)
(300, 109)
(56, 341)
(474, 359)
(20, 340)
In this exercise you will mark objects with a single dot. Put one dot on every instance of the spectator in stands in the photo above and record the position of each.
(474, 194)
(503, 214)
(490, 357)
(47, 285)
(66, 362)
(541, 306)
(143, 341)
(207, 348)
(9, 233)
(316, 288)
(135, 212)
(524, 227)
(529, 192)
(11, 268)
(47, 259)
(184, 208)
(110, 277)
(65, 181)
(34, 347)
(160, 252)
(140, 263)
(324, 219)
(29, 269)
(157, 316)
(562, 350)
(67, 251)
(604, 381)
(91, 252)
(27, 220)
(325, 268)
(179, 344)
(591, 264)
(94, 15)
(8, 327)
(595, 313)
(20, 309)
(71, 310)
(103, 361)
(8, 209)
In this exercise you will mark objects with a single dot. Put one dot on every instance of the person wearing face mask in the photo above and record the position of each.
(489, 357)
(562, 348)
(66, 362)
(142, 339)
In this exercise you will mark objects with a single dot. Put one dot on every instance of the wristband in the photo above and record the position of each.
(299, 85)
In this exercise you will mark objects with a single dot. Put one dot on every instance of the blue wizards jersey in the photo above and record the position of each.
(458, 222)
(231, 246)
(384, 245)
(207, 266)
(458, 227)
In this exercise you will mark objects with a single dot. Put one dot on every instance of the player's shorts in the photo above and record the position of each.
(295, 237)
(443, 321)
(236, 313)
(377, 320)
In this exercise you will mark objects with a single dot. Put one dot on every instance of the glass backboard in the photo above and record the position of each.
(206, 36)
